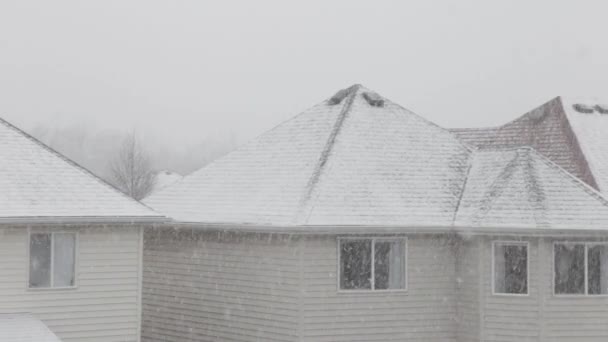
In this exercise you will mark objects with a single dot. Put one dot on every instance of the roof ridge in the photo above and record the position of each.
(501, 126)
(351, 94)
(190, 175)
(74, 164)
(468, 147)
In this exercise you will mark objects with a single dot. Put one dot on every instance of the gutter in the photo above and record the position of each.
(76, 220)
(371, 230)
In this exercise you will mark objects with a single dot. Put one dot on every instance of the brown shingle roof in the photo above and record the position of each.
(549, 130)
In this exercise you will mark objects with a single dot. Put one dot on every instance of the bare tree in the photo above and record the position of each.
(131, 170)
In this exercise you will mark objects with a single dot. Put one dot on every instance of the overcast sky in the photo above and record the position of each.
(191, 69)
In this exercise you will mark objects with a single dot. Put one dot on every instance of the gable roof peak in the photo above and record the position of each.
(41, 184)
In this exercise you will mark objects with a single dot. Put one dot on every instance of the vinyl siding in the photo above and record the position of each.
(540, 316)
(508, 317)
(582, 319)
(103, 307)
(468, 282)
(424, 313)
(219, 287)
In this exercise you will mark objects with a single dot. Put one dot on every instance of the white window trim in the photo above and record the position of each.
(576, 295)
(76, 253)
(373, 240)
(511, 243)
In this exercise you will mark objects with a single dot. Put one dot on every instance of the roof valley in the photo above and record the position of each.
(496, 188)
(304, 208)
(536, 194)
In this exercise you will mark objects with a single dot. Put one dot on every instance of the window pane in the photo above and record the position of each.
(569, 269)
(510, 269)
(355, 264)
(389, 265)
(40, 260)
(597, 261)
(63, 259)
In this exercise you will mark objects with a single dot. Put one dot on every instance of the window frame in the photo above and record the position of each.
(493, 275)
(76, 253)
(404, 242)
(586, 245)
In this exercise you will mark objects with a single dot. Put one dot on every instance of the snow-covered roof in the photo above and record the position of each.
(521, 188)
(24, 328)
(591, 131)
(349, 160)
(39, 184)
(358, 159)
(572, 132)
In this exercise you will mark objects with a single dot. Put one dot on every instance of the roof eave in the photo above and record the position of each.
(58, 220)
(386, 229)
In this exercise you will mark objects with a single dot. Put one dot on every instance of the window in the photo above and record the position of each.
(511, 268)
(581, 268)
(52, 260)
(372, 264)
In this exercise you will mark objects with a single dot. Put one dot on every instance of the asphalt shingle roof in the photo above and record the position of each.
(358, 159)
(574, 140)
(521, 188)
(344, 161)
(39, 183)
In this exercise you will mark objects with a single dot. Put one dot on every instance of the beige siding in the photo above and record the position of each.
(220, 287)
(103, 307)
(570, 318)
(424, 313)
(245, 287)
(508, 317)
(540, 316)
(468, 281)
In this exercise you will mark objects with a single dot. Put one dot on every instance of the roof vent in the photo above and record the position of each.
(373, 99)
(342, 94)
(583, 108)
(602, 108)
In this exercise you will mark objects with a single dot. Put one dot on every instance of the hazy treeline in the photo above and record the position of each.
(95, 148)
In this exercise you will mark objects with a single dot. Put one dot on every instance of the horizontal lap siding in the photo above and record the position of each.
(571, 319)
(541, 316)
(468, 280)
(104, 307)
(510, 318)
(219, 287)
(424, 313)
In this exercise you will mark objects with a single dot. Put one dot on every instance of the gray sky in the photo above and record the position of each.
(190, 69)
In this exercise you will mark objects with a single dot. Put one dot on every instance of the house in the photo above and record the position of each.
(70, 248)
(358, 220)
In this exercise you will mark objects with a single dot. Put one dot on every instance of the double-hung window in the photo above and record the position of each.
(510, 268)
(372, 263)
(52, 260)
(580, 268)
